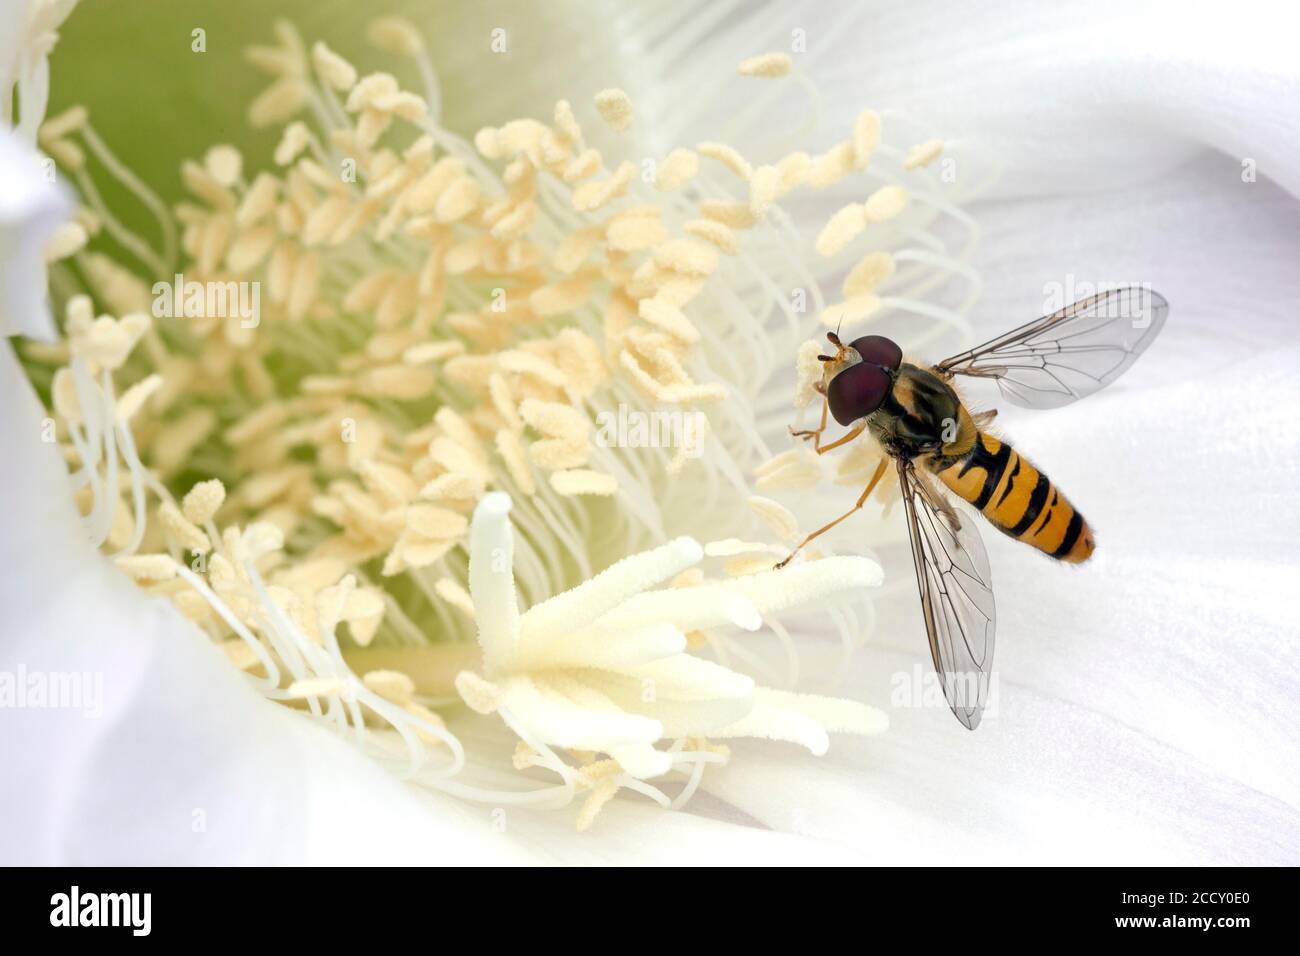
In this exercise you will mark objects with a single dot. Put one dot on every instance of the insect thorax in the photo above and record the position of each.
(921, 414)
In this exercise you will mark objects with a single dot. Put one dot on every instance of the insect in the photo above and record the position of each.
(940, 449)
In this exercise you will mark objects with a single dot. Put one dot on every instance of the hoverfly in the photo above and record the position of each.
(920, 422)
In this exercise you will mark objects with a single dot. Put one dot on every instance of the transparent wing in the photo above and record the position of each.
(1069, 354)
(952, 575)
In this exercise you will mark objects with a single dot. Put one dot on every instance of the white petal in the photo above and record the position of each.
(31, 209)
(136, 770)
(634, 832)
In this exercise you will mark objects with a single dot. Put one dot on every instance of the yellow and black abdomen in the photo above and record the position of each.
(1017, 498)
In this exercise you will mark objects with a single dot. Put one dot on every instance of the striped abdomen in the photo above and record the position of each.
(1018, 499)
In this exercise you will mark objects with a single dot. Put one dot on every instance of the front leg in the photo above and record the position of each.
(854, 433)
(816, 433)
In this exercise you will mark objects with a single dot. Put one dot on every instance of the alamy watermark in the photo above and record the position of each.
(1134, 306)
(632, 428)
(180, 299)
(922, 687)
(52, 690)
(75, 908)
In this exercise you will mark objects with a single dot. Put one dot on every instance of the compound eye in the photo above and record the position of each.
(857, 392)
(878, 350)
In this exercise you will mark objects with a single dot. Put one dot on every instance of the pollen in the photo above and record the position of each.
(481, 696)
(809, 369)
(923, 154)
(566, 124)
(728, 157)
(871, 271)
(669, 318)
(768, 65)
(831, 166)
(582, 481)
(793, 469)
(677, 169)
(866, 137)
(594, 195)
(634, 233)
(842, 229)
(390, 685)
(686, 256)
(717, 233)
(395, 35)
(333, 69)
(583, 166)
(148, 568)
(281, 101)
(851, 311)
(779, 519)
(615, 108)
(203, 501)
(885, 203)
(67, 240)
(735, 215)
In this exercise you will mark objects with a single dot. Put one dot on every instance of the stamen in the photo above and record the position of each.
(770, 65)
(923, 154)
(615, 108)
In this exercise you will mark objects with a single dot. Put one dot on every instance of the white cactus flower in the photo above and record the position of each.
(253, 538)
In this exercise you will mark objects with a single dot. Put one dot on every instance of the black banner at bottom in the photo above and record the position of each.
(968, 903)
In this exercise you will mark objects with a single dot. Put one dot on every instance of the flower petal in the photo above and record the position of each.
(148, 684)
(31, 209)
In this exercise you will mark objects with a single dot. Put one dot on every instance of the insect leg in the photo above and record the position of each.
(823, 449)
(875, 479)
(815, 432)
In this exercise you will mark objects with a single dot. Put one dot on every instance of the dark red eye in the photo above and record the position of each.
(857, 391)
(878, 350)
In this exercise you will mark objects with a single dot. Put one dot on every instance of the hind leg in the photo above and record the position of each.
(875, 479)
